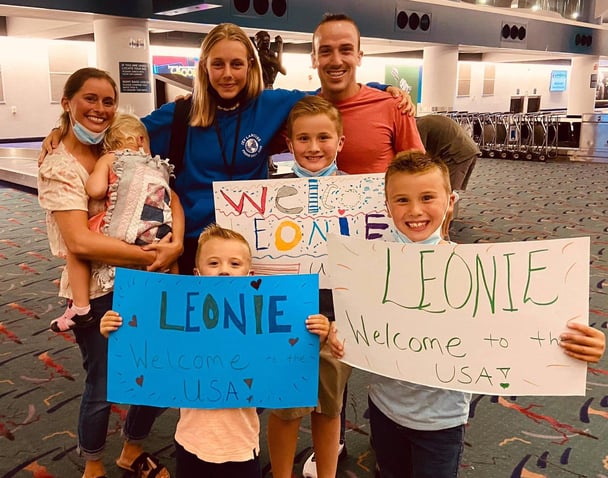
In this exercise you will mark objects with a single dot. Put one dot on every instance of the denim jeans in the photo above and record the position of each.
(406, 453)
(94, 407)
(140, 419)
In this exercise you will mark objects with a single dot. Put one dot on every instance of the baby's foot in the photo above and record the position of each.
(70, 320)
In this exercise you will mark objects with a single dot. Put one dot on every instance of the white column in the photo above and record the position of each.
(123, 50)
(439, 78)
(581, 90)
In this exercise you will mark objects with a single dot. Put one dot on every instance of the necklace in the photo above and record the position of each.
(228, 108)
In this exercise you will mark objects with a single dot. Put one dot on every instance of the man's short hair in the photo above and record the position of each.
(337, 17)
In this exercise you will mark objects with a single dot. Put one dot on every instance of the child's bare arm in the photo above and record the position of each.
(171, 246)
(97, 184)
(110, 322)
(335, 344)
(584, 343)
(179, 220)
(318, 324)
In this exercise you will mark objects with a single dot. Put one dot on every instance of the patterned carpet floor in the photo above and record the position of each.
(526, 437)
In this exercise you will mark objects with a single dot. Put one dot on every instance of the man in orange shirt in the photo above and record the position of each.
(374, 129)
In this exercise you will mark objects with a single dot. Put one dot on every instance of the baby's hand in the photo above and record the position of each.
(318, 324)
(586, 344)
(110, 322)
(337, 347)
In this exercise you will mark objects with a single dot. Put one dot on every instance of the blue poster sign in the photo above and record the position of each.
(559, 80)
(214, 342)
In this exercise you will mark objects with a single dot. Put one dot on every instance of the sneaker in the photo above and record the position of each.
(310, 466)
(70, 320)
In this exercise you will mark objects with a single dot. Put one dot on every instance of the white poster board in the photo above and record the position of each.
(286, 221)
(483, 318)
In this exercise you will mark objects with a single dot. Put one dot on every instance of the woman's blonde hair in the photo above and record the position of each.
(124, 132)
(204, 103)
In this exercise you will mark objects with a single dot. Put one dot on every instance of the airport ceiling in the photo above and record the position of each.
(33, 22)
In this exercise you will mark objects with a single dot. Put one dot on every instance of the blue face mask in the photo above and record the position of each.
(86, 136)
(301, 172)
(433, 239)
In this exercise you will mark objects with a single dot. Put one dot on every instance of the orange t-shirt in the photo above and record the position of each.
(375, 131)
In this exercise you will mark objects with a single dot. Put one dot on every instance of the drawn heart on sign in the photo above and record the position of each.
(140, 380)
(293, 341)
(504, 385)
(133, 321)
(256, 284)
(248, 381)
(341, 211)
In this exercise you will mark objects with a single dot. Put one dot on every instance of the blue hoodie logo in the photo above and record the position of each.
(252, 144)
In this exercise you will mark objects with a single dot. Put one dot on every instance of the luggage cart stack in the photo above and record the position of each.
(488, 138)
(541, 136)
(497, 138)
(528, 136)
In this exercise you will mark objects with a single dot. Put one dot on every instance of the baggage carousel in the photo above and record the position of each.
(19, 165)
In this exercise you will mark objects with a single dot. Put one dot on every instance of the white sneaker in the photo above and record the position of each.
(310, 466)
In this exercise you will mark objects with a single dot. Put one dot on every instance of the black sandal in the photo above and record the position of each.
(146, 466)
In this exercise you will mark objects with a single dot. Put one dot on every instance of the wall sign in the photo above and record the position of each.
(134, 77)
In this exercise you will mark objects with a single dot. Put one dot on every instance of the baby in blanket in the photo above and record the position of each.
(138, 208)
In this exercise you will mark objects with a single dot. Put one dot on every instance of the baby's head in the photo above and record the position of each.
(418, 194)
(126, 132)
(314, 135)
(222, 252)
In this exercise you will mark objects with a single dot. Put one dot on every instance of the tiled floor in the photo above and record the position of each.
(506, 437)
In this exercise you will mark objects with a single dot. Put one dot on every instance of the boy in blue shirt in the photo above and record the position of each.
(418, 431)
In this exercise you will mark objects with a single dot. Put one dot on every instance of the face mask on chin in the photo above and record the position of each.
(301, 172)
(433, 239)
(328, 170)
(85, 135)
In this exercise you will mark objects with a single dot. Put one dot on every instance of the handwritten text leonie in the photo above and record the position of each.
(213, 342)
(287, 221)
(484, 318)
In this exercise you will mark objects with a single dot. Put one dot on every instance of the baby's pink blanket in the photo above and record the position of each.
(139, 203)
